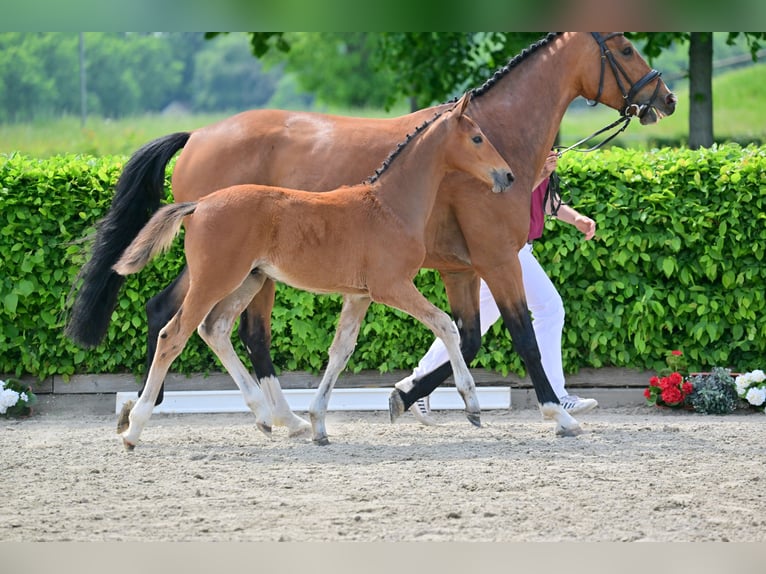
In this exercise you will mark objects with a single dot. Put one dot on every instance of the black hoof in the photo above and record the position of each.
(395, 405)
(324, 441)
(474, 419)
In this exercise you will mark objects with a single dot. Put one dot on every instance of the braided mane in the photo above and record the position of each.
(484, 88)
(387, 162)
(512, 63)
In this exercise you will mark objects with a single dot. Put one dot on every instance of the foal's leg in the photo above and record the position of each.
(172, 340)
(407, 298)
(159, 310)
(351, 316)
(255, 333)
(462, 292)
(216, 329)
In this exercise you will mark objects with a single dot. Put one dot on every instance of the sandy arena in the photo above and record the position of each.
(635, 474)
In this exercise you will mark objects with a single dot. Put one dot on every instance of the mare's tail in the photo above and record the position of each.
(154, 238)
(137, 195)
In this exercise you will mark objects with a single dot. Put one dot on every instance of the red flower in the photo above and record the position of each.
(686, 388)
(676, 353)
(672, 395)
(648, 393)
(654, 382)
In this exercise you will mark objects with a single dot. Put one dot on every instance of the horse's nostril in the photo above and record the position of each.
(510, 177)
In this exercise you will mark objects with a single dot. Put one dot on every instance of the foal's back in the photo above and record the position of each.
(333, 242)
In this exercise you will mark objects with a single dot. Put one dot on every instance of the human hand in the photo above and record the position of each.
(586, 225)
(551, 162)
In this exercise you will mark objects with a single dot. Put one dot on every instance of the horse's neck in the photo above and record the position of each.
(522, 112)
(409, 185)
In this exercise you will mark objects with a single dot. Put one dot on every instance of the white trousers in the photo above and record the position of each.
(547, 310)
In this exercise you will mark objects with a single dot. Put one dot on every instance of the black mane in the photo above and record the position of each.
(512, 63)
(484, 88)
(387, 162)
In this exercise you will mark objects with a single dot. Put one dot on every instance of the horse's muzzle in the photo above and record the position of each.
(503, 179)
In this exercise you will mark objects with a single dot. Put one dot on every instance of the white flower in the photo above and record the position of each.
(742, 382)
(8, 398)
(756, 396)
(757, 376)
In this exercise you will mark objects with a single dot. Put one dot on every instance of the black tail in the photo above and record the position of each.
(138, 194)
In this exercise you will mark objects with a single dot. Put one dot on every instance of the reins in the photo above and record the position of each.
(625, 120)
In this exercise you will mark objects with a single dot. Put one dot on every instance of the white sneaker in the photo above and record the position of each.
(422, 411)
(575, 405)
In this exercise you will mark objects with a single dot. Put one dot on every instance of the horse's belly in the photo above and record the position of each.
(314, 279)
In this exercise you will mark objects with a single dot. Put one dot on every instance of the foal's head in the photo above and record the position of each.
(469, 150)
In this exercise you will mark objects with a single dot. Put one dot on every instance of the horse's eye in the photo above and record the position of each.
(477, 139)
(628, 51)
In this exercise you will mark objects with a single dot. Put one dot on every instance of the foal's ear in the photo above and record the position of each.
(463, 103)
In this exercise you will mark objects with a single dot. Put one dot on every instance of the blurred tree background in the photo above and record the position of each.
(129, 74)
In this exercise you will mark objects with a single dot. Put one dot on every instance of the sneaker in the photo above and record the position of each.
(422, 411)
(575, 405)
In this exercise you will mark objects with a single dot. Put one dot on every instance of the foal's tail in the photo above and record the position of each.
(137, 195)
(154, 238)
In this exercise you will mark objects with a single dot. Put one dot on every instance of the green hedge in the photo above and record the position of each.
(677, 264)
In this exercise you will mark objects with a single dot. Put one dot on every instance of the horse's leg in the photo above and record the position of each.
(511, 300)
(462, 292)
(216, 329)
(406, 297)
(172, 339)
(255, 333)
(159, 310)
(351, 316)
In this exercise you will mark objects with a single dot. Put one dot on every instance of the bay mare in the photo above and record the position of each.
(366, 242)
(467, 237)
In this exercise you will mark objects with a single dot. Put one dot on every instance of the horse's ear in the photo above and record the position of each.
(463, 103)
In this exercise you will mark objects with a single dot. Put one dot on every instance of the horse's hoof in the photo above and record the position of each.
(264, 428)
(569, 431)
(129, 446)
(123, 421)
(322, 441)
(474, 419)
(395, 405)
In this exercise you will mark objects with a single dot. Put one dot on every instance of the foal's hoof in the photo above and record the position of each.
(568, 431)
(123, 421)
(264, 428)
(474, 419)
(395, 405)
(129, 446)
(322, 441)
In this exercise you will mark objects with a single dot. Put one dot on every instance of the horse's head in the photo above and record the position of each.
(469, 150)
(619, 77)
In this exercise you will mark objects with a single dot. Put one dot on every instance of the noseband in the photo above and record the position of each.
(631, 108)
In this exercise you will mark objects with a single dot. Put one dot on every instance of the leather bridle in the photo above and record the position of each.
(630, 108)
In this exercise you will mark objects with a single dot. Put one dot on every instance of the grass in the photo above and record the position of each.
(739, 113)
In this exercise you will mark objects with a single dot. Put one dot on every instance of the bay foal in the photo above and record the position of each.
(366, 242)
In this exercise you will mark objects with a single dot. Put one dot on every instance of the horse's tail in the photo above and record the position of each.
(138, 194)
(156, 237)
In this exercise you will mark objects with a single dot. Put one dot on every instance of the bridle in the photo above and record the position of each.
(630, 109)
